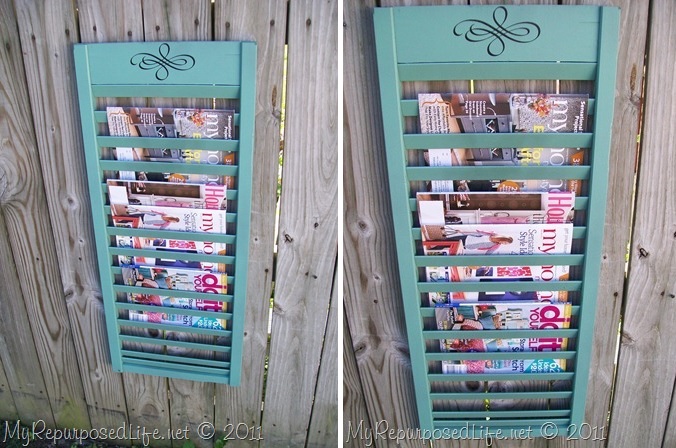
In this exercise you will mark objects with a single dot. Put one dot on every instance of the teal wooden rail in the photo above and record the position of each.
(212, 70)
(441, 43)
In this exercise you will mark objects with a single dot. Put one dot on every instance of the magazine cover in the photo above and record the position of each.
(167, 252)
(174, 218)
(500, 316)
(503, 112)
(161, 123)
(178, 319)
(173, 278)
(505, 157)
(496, 274)
(495, 208)
(504, 366)
(167, 194)
(505, 239)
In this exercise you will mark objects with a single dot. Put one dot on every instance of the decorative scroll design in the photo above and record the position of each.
(161, 62)
(497, 34)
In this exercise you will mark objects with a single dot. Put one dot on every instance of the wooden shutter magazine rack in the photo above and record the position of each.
(572, 43)
(213, 71)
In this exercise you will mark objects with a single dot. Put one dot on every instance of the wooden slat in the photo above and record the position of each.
(324, 421)
(8, 409)
(644, 396)
(307, 223)
(633, 29)
(372, 302)
(355, 419)
(18, 352)
(27, 207)
(264, 22)
(102, 21)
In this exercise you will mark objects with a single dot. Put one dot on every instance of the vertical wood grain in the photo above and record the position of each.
(646, 367)
(262, 21)
(48, 33)
(323, 430)
(184, 20)
(27, 221)
(355, 414)
(633, 31)
(372, 300)
(307, 245)
(18, 353)
(7, 407)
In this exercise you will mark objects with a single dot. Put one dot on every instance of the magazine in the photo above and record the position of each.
(169, 248)
(173, 218)
(504, 366)
(172, 123)
(167, 194)
(162, 277)
(498, 113)
(495, 208)
(501, 316)
(502, 112)
(497, 273)
(505, 239)
(211, 323)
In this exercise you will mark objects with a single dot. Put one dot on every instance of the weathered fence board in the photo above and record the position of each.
(633, 30)
(7, 407)
(31, 242)
(646, 367)
(372, 301)
(307, 247)
(47, 35)
(323, 430)
(17, 349)
(355, 414)
(263, 21)
(18, 352)
(184, 20)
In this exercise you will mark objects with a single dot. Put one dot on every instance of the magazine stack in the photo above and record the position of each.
(186, 215)
(511, 218)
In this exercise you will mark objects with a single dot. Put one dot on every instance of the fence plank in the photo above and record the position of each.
(355, 415)
(372, 299)
(184, 20)
(262, 21)
(307, 225)
(323, 430)
(17, 350)
(18, 353)
(191, 401)
(646, 368)
(633, 29)
(48, 33)
(147, 396)
(30, 240)
(7, 407)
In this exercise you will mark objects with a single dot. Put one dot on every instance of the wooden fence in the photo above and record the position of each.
(631, 399)
(54, 361)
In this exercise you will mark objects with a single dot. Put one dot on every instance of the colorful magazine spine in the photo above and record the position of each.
(173, 278)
